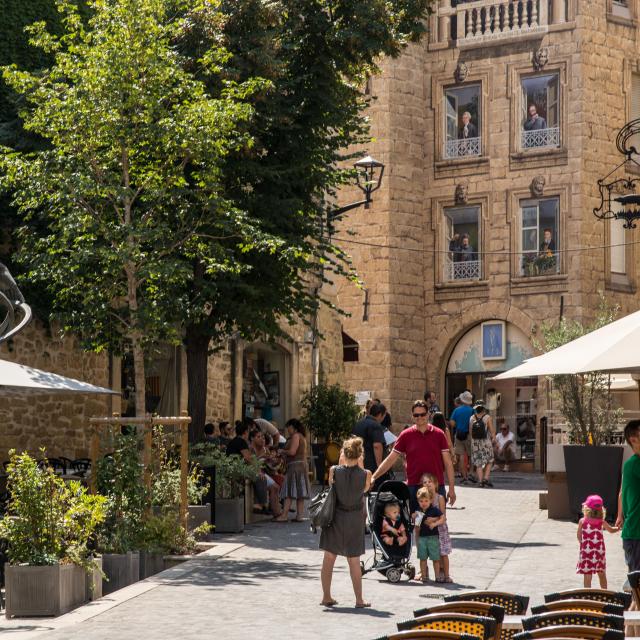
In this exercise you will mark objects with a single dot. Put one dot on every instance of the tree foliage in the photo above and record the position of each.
(329, 412)
(585, 400)
(128, 184)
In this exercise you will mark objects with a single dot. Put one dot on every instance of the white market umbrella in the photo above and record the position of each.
(20, 378)
(614, 347)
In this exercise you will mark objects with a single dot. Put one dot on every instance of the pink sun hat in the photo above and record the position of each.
(593, 502)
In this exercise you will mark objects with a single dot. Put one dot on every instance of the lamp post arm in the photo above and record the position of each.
(338, 213)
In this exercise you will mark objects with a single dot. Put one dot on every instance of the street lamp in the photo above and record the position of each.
(621, 190)
(369, 174)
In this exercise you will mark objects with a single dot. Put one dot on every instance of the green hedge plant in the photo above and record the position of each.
(48, 520)
(329, 412)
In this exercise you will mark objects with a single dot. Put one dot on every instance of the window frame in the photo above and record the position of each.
(444, 289)
(624, 282)
(524, 110)
(530, 203)
(451, 88)
(541, 157)
(546, 283)
(447, 258)
(463, 165)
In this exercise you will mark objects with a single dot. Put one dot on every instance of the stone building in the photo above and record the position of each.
(494, 131)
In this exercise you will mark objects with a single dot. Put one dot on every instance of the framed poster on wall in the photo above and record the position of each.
(271, 380)
(494, 340)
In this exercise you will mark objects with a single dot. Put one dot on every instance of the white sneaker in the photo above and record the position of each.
(506, 467)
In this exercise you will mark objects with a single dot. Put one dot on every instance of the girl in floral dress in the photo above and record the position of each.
(431, 482)
(592, 550)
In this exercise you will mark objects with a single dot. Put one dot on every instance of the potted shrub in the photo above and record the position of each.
(231, 473)
(120, 478)
(166, 486)
(165, 541)
(330, 413)
(585, 401)
(49, 526)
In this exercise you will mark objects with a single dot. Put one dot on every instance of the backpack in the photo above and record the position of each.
(478, 429)
(322, 509)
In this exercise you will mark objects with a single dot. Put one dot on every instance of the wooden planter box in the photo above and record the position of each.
(44, 591)
(94, 581)
(229, 515)
(199, 514)
(121, 570)
(150, 564)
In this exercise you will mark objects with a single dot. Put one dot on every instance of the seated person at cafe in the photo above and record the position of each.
(239, 446)
(504, 445)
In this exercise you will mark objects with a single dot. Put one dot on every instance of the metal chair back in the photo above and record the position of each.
(427, 634)
(603, 595)
(513, 604)
(461, 623)
(570, 631)
(473, 608)
(574, 618)
(579, 605)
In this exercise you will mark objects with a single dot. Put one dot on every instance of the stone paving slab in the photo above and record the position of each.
(269, 583)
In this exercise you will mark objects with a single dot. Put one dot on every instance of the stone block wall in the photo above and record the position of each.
(58, 422)
(415, 319)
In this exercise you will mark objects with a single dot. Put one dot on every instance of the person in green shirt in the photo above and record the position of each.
(629, 499)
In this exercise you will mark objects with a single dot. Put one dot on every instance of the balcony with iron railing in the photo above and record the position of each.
(482, 22)
(458, 271)
(549, 137)
(463, 147)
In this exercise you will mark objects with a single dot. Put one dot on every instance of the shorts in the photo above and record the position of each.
(632, 554)
(429, 548)
(463, 446)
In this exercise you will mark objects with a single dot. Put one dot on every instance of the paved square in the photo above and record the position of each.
(268, 584)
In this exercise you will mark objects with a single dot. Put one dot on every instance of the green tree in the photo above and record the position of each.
(317, 56)
(585, 399)
(128, 184)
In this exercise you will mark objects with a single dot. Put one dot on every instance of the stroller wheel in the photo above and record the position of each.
(394, 574)
(411, 572)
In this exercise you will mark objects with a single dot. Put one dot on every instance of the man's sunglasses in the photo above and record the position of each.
(419, 415)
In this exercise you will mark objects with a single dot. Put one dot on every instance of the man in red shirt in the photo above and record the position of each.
(426, 450)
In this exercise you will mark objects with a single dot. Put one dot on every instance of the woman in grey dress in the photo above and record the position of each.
(345, 536)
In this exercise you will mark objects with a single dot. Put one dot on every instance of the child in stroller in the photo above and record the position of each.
(388, 512)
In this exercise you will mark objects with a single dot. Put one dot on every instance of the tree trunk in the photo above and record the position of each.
(197, 347)
(140, 379)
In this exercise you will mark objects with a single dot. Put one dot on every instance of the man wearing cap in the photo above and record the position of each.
(629, 499)
(459, 421)
(503, 447)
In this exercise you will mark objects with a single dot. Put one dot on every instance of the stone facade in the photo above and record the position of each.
(58, 422)
(416, 315)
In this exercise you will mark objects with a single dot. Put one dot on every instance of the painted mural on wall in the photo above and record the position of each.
(467, 357)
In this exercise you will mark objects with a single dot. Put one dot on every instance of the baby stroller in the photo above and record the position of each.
(391, 561)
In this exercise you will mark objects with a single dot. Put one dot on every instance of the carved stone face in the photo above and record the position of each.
(461, 72)
(540, 58)
(537, 186)
(461, 194)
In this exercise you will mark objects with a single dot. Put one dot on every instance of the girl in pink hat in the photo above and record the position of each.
(592, 551)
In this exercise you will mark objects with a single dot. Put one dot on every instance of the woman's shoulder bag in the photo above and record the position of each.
(322, 509)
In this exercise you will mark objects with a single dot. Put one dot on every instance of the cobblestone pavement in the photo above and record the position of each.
(268, 581)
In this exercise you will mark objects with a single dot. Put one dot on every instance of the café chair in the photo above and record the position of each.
(513, 604)
(461, 623)
(603, 595)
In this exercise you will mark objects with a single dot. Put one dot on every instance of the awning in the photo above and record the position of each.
(612, 348)
(20, 378)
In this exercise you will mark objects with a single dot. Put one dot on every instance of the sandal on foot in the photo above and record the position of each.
(363, 605)
(440, 580)
(448, 580)
(329, 603)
